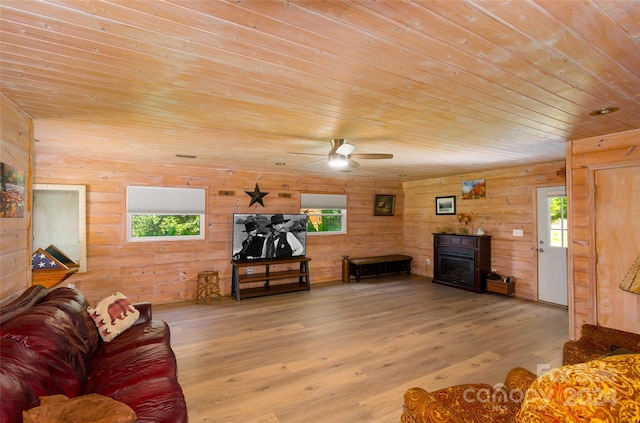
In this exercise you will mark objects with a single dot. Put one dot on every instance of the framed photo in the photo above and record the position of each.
(446, 205)
(384, 205)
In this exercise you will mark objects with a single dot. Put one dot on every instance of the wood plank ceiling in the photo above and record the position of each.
(447, 87)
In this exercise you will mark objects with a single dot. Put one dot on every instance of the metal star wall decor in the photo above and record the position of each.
(256, 196)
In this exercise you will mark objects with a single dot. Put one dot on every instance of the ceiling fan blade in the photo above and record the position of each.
(372, 156)
(353, 163)
(316, 162)
(341, 146)
(345, 149)
(307, 154)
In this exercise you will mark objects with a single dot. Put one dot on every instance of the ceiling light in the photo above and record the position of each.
(605, 111)
(336, 160)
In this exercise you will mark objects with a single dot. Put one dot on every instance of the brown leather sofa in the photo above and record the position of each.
(49, 345)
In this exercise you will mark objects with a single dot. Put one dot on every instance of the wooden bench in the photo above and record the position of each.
(369, 266)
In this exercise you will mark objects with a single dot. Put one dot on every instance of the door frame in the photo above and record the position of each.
(534, 247)
(592, 171)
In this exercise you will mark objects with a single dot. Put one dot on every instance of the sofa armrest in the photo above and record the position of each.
(517, 382)
(419, 405)
(455, 404)
(596, 342)
(607, 338)
(145, 312)
(32, 296)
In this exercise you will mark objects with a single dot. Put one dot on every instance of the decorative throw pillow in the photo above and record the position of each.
(92, 408)
(113, 315)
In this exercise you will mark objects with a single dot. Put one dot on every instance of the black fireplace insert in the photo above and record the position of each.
(456, 267)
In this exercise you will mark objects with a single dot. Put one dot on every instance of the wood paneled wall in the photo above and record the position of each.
(509, 204)
(166, 271)
(590, 243)
(15, 240)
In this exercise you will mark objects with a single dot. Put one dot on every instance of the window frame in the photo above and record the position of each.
(563, 228)
(319, 201)
(165, 201)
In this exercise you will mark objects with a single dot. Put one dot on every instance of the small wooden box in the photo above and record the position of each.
(502, 287)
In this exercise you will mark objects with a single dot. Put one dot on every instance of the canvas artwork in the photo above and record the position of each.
(12, 191)
(474, 189)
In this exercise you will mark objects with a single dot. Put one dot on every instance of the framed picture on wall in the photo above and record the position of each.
(446, 205)
(384, 205)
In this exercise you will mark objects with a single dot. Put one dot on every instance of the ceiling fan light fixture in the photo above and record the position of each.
(338, 160)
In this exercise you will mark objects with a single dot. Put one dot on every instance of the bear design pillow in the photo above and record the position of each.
(113, 315)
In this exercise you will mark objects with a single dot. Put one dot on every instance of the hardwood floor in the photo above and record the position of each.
(348, 352)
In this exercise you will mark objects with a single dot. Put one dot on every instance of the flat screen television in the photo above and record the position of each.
(268, 236)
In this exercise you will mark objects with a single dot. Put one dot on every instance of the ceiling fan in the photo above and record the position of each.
(341, 154)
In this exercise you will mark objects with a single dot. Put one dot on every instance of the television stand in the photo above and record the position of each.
(247, 284)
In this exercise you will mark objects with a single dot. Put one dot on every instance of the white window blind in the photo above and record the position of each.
(323, 201)
(162, 200)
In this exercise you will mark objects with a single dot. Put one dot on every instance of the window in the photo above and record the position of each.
(165, 214)
(326, 213)
(558, 235)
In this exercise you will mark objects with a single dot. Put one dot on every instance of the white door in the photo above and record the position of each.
(552, 245)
